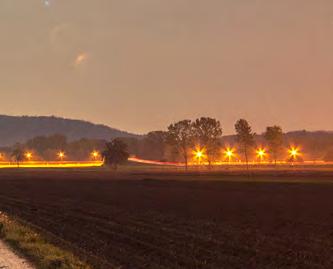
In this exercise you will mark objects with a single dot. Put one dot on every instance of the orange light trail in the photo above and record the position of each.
(51, 164)
(137, 160)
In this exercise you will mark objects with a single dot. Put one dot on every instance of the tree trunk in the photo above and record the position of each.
(209, 164)
(275, 158)
(246, 159)
(186, 161)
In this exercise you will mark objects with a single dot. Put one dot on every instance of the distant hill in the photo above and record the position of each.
(15, 129)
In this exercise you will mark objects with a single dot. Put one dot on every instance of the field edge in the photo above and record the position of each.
(31, 244)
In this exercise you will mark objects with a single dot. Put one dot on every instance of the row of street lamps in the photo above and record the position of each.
(61, 155)
(230, 154)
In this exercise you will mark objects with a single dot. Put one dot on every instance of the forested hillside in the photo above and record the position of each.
(20, 129)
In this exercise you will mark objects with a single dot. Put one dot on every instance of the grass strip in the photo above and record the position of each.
(32, 245)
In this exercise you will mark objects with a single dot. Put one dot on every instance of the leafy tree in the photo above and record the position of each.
(82, 149)
(208, 133)
(180, 135)
(45, 144)
(274, 138)
(245, 138)
(18, 155)
(115, 153)
(134, 145)
(154, 145)
(329, 156)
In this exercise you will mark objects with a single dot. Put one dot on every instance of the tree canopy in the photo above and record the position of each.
(180, 135)
(115, 153)
(208, 133)
(274, 138)
(245, 137)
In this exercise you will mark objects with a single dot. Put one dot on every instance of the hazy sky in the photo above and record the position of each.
(138, 65)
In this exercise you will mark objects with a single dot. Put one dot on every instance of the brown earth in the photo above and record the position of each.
(173, 220)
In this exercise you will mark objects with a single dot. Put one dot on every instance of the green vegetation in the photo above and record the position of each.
(35, 247)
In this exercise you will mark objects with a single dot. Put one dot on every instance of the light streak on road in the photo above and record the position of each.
(137, 160)
(96, 164)
(51, 164)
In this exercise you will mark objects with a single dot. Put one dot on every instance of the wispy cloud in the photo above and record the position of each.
(81, 58)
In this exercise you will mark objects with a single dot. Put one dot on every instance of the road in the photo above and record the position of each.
(9, 260)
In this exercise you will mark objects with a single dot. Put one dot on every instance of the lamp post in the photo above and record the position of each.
(61, 155)
(261, 153)
(28, 156)
(229, 154)
(95, 155)
(294, 153)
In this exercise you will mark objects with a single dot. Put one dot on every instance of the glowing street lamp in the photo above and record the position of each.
(198, 154)
(261, 153)
(294, 153)
(95, 155)
(28, 156)
(229, 153)
(61, 155)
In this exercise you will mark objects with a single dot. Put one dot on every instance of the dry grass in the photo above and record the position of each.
(35, 247)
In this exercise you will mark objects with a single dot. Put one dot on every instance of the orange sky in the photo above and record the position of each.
(140, 64)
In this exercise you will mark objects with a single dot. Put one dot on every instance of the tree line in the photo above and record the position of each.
(206, 134)
(47, 148)
(179, 140)
(185, 137)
